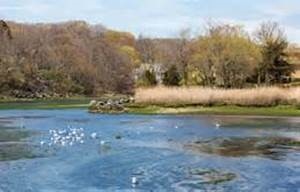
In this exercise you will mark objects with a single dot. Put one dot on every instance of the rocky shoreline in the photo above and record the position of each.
(110, 105)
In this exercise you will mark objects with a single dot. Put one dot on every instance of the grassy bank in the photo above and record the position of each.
(150, 108)
(71, 103)
(282, 110)
(78, 102)
(269, 101)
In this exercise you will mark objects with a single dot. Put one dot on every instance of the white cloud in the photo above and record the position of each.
(156, 17)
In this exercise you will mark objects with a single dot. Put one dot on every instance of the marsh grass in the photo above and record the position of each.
(251, 97)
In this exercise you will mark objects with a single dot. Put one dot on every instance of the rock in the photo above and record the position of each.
(118, 137)
(108, 106)
(93, 102)
(131, 99)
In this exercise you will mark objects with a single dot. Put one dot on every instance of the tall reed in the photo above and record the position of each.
(263, 96)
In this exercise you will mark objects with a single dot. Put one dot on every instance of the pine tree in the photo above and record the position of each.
(172, 77)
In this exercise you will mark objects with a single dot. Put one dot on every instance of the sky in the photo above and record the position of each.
(158, 18)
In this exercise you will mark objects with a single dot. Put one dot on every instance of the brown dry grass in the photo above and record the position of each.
(297, 74)
(264, 96)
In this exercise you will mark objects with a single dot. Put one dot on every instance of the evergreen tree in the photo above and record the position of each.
(150, 77)
(172, 77)
(274, 67)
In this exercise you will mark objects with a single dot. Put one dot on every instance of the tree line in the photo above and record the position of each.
(225, 56)
(75, 58)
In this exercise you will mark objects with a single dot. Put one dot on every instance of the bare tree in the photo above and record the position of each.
(184, 52)
(146, 48)
(225, 56)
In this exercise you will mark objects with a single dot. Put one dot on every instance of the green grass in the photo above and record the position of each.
(286, 110)
(82, 103)
(46, 104)
(79, 102)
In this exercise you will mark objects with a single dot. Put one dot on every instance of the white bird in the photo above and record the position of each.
(218, 125)
(42, 143)
(102, 142)
(134, 181)
(176, 127)
(94, 135)
(78, 138)
(62, 132)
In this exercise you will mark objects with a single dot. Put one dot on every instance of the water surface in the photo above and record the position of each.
(164, 153)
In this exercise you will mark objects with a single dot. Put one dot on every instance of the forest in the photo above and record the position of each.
(76, 58)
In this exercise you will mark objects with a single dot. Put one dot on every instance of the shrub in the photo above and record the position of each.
(148, 78)
(172, 77)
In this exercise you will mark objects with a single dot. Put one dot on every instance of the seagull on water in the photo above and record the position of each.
(102, 142)
(134, 181)
(94, 135)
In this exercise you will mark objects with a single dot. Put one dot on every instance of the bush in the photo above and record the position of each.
(172, 77)
(148, 78)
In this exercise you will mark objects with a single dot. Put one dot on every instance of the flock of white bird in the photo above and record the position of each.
(73, 136)
(68, 137)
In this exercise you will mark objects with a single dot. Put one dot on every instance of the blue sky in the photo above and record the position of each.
(162, 18)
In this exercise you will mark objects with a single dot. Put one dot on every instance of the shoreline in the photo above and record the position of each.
(228, 110)
(274, 111)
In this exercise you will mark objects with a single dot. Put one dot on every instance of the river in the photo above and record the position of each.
(147, 153)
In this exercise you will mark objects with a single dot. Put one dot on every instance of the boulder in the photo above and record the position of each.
(109, 105)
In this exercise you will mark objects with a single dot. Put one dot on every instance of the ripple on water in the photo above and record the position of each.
(153, 151)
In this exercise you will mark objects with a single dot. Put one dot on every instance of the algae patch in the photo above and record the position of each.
(274, 148)
(212, 176)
